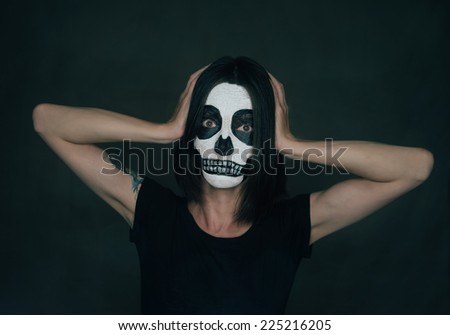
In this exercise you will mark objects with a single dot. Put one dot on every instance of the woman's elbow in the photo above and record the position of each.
(424, 162)
(40, 117)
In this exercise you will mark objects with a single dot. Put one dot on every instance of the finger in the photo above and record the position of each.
(278, 89)
(191, 82)
(276, 84)
(190, 86)
(196, 74)
(272, 78)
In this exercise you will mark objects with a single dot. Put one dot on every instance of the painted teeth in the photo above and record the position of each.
(228, 168)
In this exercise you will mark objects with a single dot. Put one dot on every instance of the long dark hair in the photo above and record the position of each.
(265, 176)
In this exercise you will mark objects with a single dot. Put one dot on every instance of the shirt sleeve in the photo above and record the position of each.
(297, 222)
(153, 206)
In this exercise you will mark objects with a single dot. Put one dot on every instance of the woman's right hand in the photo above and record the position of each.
(177, 122)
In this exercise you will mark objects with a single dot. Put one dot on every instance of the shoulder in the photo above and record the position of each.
(292, 211)
(153, 198)
(156, 208)
(150, 188)
(292, 204)
(291, 220)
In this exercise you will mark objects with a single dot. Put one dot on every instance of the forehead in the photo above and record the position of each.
(229, 97)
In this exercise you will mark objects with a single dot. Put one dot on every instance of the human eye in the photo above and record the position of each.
(208, 123)
(246, 128)
(243, 121)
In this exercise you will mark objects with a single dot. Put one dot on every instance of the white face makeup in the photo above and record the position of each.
(226, 134)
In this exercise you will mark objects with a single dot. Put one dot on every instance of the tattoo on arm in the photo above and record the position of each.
(136, 182)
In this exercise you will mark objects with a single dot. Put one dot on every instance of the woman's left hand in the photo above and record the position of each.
(282, 132)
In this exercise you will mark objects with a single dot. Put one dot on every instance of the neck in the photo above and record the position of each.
(215, 214)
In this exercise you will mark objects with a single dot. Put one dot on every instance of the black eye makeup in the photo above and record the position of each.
(211, 122)
(242, 125)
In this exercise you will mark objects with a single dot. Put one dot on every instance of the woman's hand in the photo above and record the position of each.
(177, 122)
(282, 132)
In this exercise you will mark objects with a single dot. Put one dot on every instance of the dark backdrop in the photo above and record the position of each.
(363, 70)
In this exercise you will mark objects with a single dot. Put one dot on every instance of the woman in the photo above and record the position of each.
(233, 244)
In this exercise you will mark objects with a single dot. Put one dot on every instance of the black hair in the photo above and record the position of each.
(264, 180)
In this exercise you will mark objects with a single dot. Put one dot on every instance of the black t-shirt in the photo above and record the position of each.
(184, 270)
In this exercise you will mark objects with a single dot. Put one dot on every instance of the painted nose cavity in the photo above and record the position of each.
(224, 147)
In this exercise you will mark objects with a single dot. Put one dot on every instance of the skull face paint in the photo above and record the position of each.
(226, 135)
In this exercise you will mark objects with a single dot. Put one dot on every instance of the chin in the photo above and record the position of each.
(221, 181)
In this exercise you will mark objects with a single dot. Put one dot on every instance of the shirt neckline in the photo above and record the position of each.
(217, 239)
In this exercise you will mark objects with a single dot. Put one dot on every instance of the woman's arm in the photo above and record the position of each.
(83, 125)
(72, 132)
(386, 172)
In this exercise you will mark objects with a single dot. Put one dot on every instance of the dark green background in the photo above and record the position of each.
(366, 70)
